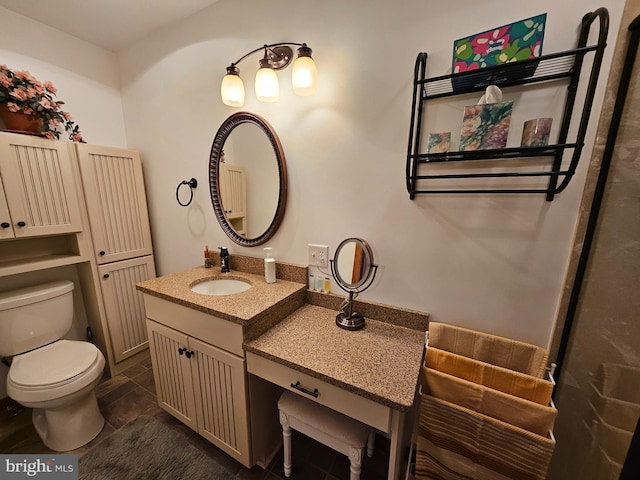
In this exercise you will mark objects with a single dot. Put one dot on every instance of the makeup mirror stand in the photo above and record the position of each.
(347, 318)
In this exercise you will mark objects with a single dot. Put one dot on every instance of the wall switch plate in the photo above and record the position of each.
(318, 255)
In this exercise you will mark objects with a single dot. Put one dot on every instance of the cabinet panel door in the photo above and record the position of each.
(233, 190)
(39, 185)
(221, 399)
(124, 305)
(115, 196)
(6, 228)
(172, 373)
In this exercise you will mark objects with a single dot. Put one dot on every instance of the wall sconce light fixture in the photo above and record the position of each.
(276, 57)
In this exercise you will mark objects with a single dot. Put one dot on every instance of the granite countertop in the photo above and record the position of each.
(381, 362)
(239, 307)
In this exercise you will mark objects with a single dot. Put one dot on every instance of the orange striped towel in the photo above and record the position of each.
(514, 410)
(508, 381)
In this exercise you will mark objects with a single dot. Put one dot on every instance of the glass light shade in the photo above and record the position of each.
(232, 90)
(304, 76)
(267, 86)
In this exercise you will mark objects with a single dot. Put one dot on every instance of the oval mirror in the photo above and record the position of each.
(248, 179)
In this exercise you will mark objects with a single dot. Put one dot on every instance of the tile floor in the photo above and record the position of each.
(132, 393)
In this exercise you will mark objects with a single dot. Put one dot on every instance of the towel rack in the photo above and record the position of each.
(193, 183)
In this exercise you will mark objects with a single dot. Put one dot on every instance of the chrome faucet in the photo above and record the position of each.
(224, 260)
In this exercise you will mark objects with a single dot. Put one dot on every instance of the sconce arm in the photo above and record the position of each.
(271, 47)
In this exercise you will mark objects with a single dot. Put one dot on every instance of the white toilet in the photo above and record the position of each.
(54, 377)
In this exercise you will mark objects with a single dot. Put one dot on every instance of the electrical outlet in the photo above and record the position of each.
(318, 255)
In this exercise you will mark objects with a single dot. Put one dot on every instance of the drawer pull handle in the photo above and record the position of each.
(297, 386)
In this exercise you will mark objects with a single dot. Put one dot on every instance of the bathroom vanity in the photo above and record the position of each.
(220, 362)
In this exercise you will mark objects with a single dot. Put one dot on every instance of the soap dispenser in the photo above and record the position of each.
(269, 267)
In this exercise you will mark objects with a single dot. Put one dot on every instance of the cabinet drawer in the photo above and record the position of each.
(208, 328)
(336, 398)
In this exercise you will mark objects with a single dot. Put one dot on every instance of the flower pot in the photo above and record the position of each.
(19, 121)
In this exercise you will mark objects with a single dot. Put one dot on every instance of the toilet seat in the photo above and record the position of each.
(54, 371)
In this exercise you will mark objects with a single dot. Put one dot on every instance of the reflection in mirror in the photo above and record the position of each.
(248, 179)
(354, 271)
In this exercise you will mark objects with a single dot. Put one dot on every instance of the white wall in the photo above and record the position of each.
(85, 75)
(490, 262)
(494, 263)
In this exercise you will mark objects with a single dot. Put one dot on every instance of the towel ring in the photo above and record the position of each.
(193, 183)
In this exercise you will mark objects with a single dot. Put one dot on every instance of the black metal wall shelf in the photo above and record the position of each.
(563, 65)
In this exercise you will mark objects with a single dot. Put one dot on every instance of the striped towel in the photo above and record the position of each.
(493, 403)
(519, 384)
(455, 443)
(502, 352)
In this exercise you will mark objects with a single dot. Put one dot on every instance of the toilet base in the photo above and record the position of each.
(71, 426)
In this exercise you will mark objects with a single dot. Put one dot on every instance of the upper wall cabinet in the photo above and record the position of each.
(116, 202)
(484, 170)
(40, 196)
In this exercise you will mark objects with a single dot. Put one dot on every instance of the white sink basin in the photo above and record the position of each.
(221, 286)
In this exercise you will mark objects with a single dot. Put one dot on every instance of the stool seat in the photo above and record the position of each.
(338, 431)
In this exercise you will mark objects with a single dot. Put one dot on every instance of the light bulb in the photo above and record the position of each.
(304, 76)
(267, 86)
(232, 88)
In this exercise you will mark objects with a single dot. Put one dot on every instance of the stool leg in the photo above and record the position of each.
(355, 457)
(371, 443)
(286, 438)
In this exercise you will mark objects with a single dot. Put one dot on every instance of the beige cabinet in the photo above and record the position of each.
(201, 383)
(124, 305)
(116, 202)
(233, 190)
(40, 195)
(118, 218)
(6, 225)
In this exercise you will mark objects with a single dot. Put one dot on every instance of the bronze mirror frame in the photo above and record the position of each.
(223, 133)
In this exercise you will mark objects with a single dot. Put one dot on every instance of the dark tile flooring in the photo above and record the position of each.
(126, 396)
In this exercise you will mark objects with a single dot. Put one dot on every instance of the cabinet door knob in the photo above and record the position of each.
(181, 351)
(189, 354)
(5, 224)
(22, 224)
(106, 275)
(102, 253)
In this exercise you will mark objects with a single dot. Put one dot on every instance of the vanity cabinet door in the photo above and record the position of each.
(221, 399)
(116, 201)
(39, 185)
(172, 372)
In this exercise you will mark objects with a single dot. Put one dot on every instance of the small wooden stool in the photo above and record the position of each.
(342, 433)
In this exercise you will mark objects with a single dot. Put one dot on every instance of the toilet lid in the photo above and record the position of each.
(53, 363)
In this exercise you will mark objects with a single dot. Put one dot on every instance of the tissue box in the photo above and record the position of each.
(485, 126)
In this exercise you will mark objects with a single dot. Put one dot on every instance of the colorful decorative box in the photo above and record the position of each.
(516, 41)
(486, 126)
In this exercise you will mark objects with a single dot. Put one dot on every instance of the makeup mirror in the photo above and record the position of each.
(248, 179)
(354, 271)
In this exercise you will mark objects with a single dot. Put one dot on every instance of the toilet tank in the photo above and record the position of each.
(34, 316)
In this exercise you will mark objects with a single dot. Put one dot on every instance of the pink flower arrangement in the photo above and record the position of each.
(21, 92)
